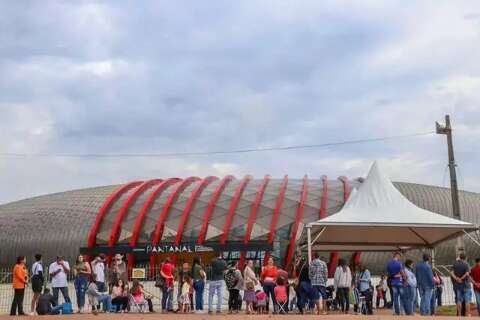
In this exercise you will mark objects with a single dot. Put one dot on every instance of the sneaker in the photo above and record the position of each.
(219, 312)
(31, 314)
(210, 312)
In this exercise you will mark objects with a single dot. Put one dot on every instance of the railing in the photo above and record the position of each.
(6, 291)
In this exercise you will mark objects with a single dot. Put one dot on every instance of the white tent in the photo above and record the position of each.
(379, 218)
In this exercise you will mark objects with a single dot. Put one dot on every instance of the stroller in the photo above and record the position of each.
(332, 304)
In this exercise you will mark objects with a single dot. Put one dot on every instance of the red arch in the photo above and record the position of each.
(276, 214)
(186, 212)
(298, 219)
(233, 206)
(211, 206)
(117, 224)
(137, 227)
(92, 236)
(334, 255)
(157, 235)
(253, 215)
(324, 200)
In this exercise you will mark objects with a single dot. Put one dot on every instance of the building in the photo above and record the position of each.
(232, 214)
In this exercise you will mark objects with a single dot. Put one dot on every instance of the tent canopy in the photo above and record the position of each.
(377, 217)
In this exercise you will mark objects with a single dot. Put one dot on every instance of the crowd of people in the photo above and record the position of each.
(304, 290)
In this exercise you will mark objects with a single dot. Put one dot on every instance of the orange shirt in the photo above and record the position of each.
(19, 276)
(269, 274)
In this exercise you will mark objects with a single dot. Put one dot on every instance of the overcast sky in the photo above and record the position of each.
(179, 76)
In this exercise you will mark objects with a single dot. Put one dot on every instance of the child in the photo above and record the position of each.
(261, 301)
(139, 295)
(281, 295)
(185, 297)
(249, 296)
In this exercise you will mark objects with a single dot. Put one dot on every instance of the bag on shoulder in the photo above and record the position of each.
(160, 282)
(231, 279)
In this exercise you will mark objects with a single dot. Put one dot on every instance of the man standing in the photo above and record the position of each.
(216, 283)
(396, 274)
(98, 268)
(425, 284)
(475, 276)
(234, 282)
(58, 271)
(318, 273)
(461, 284)
(166, 272)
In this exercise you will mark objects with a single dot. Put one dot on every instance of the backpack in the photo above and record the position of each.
(67, 308)
(231, 278)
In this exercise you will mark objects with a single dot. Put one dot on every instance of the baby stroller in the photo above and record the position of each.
(331, 301)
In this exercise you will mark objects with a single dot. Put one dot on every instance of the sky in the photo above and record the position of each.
(179, 76)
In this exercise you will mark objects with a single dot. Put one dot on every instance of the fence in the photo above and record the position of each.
(6, 292)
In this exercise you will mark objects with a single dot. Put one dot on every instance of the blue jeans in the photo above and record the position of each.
(215, 288)
(199, 287)
(106, 301)
(64, 291)
(425, 300)
(167, 299)
(409, 300)
(477, 299)
(101, 286)
(398, 297)
(269, 289)
(81, 284)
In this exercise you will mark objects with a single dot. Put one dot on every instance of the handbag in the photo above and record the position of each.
(160, 282)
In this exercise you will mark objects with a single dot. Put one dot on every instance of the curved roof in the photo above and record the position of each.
(192, 209)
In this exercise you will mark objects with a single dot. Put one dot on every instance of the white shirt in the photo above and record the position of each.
(60, 279)
(99, 271)
(36, 268)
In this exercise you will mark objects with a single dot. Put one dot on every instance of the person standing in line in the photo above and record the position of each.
(119, 270)
(58, 271)
(382, 288)
(364, 287)
(269, 278)
(249, 274)
(216, 283)
(437, 279)
(82, 272)
(37, 282)
(184, 270)
(20, 280)
(475, 276)
(461, 284)
(425, 283)
(397, 276)
(199, 277)
(166, 272)
(318, 274)
(98, 269)
(234, 281)
(342, 281)
(410, 288)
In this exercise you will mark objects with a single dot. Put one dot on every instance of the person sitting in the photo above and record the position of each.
(281, 297)
(47, 305)
(120, 296)
(95, 297)
(140, 297)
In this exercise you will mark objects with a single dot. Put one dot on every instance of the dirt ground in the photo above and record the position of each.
(381, 315)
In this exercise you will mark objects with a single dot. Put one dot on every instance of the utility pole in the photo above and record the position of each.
(447, 130)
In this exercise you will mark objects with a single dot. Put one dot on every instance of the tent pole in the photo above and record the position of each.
(309, 243)
(433, 257)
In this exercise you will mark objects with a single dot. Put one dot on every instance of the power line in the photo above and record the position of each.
(205, 153)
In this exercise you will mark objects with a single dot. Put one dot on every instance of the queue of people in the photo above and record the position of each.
(272, 290)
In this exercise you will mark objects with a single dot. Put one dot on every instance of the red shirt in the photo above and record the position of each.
(167, 273)
(475, 274)
(280, 293)
(269, 274)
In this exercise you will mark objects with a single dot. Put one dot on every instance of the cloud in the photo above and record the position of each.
(98, 77)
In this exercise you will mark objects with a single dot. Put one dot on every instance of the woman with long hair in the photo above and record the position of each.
(269, 280)
(411, 288)
(120, 296)
(199, 276)
(82, 272)
(20, 280)
(37, 282)
(342, 281)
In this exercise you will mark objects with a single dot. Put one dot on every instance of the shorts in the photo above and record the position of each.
(464, 295)
(319, 292)
(37, 284)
